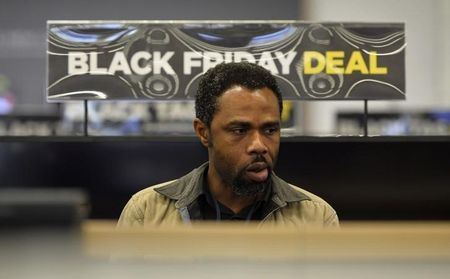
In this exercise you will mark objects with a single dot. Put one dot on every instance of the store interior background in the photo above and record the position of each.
(394, 178)
(24, 110)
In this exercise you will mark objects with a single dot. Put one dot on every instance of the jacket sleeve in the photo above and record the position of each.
(131, 216)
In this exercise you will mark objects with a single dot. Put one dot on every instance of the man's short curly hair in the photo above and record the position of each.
(226, 75)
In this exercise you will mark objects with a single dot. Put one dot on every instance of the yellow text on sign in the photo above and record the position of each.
(332, 62)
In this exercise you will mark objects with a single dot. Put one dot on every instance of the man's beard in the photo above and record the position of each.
(245, 188)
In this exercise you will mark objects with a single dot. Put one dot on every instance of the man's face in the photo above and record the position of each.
(245, 138)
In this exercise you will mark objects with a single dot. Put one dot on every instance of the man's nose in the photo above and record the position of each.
(257, 145)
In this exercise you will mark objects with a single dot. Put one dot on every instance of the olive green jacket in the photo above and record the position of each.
(167, 204)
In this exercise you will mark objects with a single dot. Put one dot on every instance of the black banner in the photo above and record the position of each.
(164, 60)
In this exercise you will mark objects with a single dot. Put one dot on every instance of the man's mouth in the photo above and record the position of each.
(258, 171)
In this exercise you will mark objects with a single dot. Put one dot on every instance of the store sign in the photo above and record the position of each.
(164, 60)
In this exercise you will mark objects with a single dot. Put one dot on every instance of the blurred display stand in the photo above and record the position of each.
(42, 208)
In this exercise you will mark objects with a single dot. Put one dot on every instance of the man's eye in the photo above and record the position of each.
(271, 131)
(239, 131)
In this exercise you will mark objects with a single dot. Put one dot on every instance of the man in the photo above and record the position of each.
(238, 108)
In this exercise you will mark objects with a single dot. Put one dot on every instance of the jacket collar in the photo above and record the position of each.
(186, 189)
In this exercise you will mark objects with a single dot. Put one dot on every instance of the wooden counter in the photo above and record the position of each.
(361, 241)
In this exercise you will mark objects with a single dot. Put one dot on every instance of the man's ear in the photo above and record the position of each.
(202, 131)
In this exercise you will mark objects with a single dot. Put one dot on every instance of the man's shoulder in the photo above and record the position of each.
(292, 193)
(146, 207)
(170, 190)
(151, 191)
(310, 196)
(313, 207)
(295, 194)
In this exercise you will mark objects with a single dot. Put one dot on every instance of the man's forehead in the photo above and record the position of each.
(246, 106)
(239, 96)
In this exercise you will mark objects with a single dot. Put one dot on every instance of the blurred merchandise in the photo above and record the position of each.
(118, 118)
(121, 118)
(7, 99)
(436, 123)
